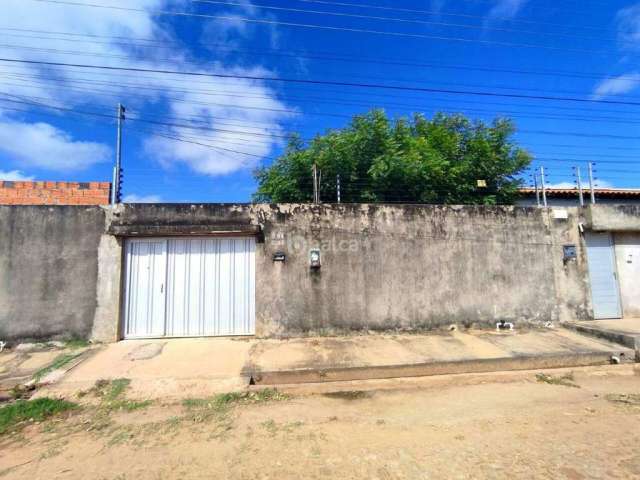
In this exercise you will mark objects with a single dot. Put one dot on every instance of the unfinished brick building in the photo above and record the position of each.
(54, 193)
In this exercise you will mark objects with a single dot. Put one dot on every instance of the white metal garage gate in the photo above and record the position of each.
(187, 287)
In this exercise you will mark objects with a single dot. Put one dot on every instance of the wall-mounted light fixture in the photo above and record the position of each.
(314, 258)
(279, 257)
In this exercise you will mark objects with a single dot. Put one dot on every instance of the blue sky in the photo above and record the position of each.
(55, 122)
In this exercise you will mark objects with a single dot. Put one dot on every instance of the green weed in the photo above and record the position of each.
(15, 414)
(59, 362)
(111, 394)
(224, 400)
(75, 343)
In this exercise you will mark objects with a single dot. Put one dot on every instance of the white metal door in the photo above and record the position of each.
(146, 272)
(605, 294)
(210, 287)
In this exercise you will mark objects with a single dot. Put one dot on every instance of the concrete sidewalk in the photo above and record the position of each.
(623, 331)
(178, 368)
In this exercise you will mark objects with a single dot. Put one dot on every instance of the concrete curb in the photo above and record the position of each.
(337, 374)
(625, 339)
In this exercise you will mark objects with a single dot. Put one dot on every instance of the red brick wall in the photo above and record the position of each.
(54, 193)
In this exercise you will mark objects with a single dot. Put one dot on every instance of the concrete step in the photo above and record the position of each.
(374, 372)
(621, 338)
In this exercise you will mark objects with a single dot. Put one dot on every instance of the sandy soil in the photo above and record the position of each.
(487, 426)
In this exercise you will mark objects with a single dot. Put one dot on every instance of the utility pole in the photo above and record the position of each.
(593, 193)
(544, 188)
(579, 181)
(338, 186)
(116, 186)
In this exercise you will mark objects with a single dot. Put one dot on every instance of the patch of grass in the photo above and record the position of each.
(75, 343)
(224, 400)
(12, 416)
(566, 380)
(630, 399)
(110, 390)
(218, 406)
(116, 388)
(130, 405)
(111, 394)
(59, 362)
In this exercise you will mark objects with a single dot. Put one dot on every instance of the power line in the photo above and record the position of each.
(322, 56)
(315, 100)
(324, 82)
(396, 19)
(499, 87)
(537, 132)
(444, 13)
(323, 27)
(448, 14)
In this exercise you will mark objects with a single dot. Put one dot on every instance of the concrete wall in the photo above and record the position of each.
(613, 218)
(393, 267)
(383, 267)
(415, 267)
(48, 270)
(627, 249)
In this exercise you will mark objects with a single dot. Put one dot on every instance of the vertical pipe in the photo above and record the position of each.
(544, 188)
(338, 187)
(593, 193)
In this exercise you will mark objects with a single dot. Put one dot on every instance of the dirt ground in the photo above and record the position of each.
(465, 426)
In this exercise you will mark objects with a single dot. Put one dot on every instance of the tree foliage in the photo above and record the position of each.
(404, 160)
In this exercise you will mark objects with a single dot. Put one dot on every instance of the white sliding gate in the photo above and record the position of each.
(187, 287)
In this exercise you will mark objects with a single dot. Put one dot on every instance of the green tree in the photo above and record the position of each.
(403, 160)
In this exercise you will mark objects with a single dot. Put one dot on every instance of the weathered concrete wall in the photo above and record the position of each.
(415, 267)
(383, 267)
(48, 270)
(613, 218)
(394, 267)
(572, 276)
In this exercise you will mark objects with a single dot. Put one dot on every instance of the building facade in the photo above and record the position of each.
(168, 270)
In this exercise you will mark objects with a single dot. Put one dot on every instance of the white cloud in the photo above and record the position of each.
(133, 198)
(628, 23)
(14, 176)
(506, 9)
(628, 20)
(42, 145)
(214, 101)
(617, 85)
